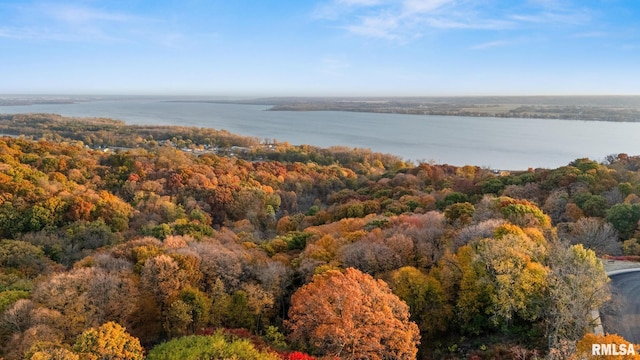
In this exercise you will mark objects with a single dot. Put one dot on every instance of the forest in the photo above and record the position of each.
(130, 242)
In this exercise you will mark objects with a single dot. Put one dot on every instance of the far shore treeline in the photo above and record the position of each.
(121, 241)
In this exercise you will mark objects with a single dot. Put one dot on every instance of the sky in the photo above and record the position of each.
(320, 47)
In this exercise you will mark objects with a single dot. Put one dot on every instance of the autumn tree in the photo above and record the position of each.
(109, 341)
(369, 257)
(23, 258)
(522, 212)
(498, 280)
(216, 346)
(26, 324)
(43, 352)
(577, 284)
(219, 262)
(595, 234)
(427, 232)
(473, 285)
(459, 213)
(514, 263)
(198, 307)
(247, 307)
(161, 277)
(426, 299)
(87, 297)
(556, 205)
(481, 230)
(113, 210)
(351, 315)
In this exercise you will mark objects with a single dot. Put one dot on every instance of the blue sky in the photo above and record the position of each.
(322, 47)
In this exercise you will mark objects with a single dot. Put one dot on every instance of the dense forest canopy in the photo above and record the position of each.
(196, 243)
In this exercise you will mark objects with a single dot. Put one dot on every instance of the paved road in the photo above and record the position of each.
(623, 318)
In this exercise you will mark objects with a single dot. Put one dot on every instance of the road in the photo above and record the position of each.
(623, 317)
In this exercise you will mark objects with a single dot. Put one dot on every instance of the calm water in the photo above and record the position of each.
(497, 143)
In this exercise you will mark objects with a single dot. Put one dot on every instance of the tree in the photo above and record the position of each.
(519, 278)
(624, 217)
(247, 306)
(595, 205)
(522, 212)
(450, 199)
(556, 204)
(161, 277)
(51, 353)
(219, 263)
(427, 232)
(475, 288)
(199, 306)
(113, 210)
(351, 315)
(211, 347)
(595, 234)
(177, 318)
(459, 213)
(577, 285)
(27, 259)
(369, 257)
(481, 230)
(88, 297)
(108, 342)
(19, 345)
(18, 317)
(425, 297)
(502, 279)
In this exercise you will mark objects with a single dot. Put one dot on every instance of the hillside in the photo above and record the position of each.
(144, 236)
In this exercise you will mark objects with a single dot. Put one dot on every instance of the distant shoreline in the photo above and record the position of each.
(586, 108)
(612, 108)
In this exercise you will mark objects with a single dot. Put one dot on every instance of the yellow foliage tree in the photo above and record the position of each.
(109, 341)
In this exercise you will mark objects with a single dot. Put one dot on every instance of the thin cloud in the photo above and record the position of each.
(92, 24)
(491, 44)
(404, 19)
(558, 18)
(481, 24)
(359, 2)
(45, 33)
(375, 26)
(592, 34)
(423, 6)
(333, 66)
(81, 23)
(408, 19)
(80, 15)
(9, 33)
(383, 19)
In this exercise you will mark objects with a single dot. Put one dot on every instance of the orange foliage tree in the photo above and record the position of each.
(623, 348)
(353, 316)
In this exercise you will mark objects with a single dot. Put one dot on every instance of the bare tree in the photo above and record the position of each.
(595, 234)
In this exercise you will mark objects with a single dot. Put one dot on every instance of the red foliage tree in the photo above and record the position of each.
(353, 316)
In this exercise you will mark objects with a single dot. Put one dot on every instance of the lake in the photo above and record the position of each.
(497, 143)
